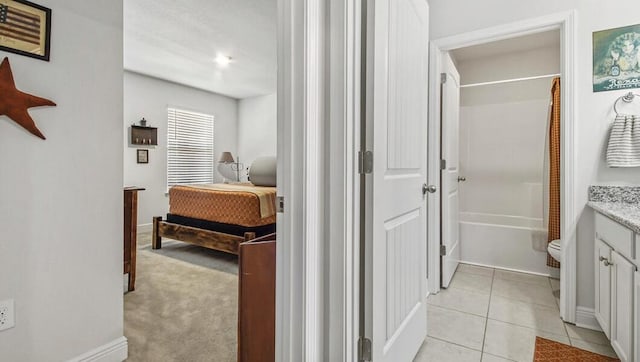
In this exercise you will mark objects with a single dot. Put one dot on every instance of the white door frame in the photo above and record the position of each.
(299, 169)
(566, 22)
(343, 254)
(318, 120)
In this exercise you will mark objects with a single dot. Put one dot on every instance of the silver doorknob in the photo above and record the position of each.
(462, 179)
(428, 188)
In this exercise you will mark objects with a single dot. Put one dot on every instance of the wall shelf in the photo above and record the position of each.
(144, 136)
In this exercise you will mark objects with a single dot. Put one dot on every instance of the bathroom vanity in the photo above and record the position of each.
(617, 261)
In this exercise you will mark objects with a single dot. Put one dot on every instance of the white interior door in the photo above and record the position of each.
(397, 87)
(450, 149)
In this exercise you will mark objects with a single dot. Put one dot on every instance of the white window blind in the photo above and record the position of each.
(189, 147)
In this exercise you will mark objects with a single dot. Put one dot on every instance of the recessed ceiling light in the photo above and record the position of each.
(223, 60)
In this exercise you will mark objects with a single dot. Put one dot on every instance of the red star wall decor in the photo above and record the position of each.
(14, 103)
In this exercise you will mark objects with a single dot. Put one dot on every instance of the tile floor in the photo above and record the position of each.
(494, 315)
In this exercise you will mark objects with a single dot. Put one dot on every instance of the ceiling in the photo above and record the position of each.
(512, 45)
(178, 41)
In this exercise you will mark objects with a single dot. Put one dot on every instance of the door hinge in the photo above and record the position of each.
(443, 164)
(443, 77)
(365, 162)
(280, 204)
(443, 250)
(364, 349)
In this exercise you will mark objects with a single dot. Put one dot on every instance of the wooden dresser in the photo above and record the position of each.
(130, 233)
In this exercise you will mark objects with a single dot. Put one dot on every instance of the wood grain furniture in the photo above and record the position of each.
(130, 233)
(202, 237)
(617, 285)
(215, 216)
(257, 300)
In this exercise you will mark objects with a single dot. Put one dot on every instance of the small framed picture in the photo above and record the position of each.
(143, 156)
(25, 28)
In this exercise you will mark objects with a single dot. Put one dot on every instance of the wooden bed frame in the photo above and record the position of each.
(201, 237)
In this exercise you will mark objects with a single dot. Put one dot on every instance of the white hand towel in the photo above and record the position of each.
(624, 142)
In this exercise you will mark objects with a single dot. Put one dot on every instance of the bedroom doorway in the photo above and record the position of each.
(201, 79)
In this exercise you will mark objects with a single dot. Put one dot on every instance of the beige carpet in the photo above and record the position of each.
(182, 310)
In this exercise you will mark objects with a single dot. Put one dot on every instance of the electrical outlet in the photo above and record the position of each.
(7, 316)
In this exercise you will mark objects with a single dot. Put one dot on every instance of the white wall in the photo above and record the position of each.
(502, 132)
(149, 97)
(61, 199)
(450, 17)
(257, 128)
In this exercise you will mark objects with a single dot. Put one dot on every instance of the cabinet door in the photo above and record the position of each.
(636, 315)
(603, 286)
(622, 306)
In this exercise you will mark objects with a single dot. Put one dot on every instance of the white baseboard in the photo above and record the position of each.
(548, 275)
(586, 318)
(145, 228)
(114, 351)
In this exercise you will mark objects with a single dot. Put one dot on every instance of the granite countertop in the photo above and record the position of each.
(624, 213)
(620, 203)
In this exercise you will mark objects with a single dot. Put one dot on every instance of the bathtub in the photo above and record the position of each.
(503, 241)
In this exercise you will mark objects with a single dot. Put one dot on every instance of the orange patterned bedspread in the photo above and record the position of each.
(224, 206)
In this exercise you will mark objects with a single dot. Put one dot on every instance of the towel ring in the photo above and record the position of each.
(627, 98)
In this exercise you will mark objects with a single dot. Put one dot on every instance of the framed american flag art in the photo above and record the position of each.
(25, 28)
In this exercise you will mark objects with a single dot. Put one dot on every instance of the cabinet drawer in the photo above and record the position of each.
(617, 236)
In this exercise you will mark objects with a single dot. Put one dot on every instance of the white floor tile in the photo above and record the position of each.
(524, 292)
(534, 316)
(436, 350)
(587, 335)
(522, 277)
(491, 358)
(456, 327)
(461, 300)
(605, 350)
(474, 269)
(514, 342)
(473, 282)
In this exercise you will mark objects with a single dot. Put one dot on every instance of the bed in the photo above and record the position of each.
(217, 216)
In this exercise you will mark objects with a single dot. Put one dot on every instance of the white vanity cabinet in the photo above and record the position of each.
(636, 313)
(622, 290)
(617, 286)
(603, 286)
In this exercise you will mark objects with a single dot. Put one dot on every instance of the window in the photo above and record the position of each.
(189, 147)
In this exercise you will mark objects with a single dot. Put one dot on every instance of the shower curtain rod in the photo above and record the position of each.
(510, 80)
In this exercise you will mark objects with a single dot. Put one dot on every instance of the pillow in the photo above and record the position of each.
(263, 171)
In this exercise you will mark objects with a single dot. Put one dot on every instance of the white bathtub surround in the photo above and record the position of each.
(502, 147)
(504, 242)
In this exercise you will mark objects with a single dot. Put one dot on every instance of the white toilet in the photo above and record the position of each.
(554, 249)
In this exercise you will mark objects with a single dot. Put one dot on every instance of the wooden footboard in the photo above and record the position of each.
(201, 237)
(257, 300)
